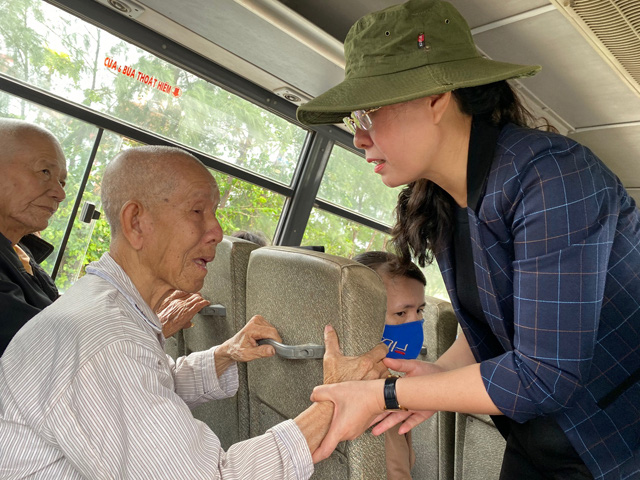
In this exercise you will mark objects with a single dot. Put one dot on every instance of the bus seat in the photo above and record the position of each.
(174, 346)
(434, 439)
(479, 446)
(299, 292)
(224, 285)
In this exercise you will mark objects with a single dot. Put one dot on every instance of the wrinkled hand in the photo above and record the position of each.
(177, 311)
(243, 346)
(356, 405)
(411, 418)
(338, 368)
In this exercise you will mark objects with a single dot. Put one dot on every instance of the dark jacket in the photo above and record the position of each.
(556, 247)
(22, 295)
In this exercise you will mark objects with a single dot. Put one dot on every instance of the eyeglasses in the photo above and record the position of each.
(360, 119)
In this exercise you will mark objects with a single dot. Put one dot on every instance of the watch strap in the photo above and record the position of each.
(390, 398)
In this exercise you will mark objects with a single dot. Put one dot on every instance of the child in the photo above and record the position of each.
(405, 304)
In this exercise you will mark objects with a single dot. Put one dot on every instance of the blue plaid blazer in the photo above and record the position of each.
(556, 249)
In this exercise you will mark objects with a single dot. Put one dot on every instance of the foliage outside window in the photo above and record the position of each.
(55, 51)
(244, 206)
(349, 181)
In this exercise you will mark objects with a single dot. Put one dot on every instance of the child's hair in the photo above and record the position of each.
(388, 263)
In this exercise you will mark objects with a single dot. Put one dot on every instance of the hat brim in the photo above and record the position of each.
(377, 91)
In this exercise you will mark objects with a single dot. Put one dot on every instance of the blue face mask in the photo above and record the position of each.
(404, 340)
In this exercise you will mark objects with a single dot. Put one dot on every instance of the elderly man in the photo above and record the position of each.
(86, 389)
(32, 179)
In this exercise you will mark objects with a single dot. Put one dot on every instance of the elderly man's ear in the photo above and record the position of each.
(134, 223)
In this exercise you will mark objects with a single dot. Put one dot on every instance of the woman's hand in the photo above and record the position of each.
(177, 311)
(356, 405)
(410, 418)
(338, 368)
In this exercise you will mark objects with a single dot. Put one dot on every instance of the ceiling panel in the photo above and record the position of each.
(575, 81)
(336, 16)
(241, 32)
(479, 13)
(618, 148)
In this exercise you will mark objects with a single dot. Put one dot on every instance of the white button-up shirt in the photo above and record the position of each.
(86, 391)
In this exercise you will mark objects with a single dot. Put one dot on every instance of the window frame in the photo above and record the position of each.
(301, 194)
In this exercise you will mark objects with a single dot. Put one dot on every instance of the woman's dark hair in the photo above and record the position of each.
(388, 263)
(425, 212)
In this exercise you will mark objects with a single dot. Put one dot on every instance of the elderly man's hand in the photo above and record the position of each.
(338, 368)
(177, 311)
(243, 346)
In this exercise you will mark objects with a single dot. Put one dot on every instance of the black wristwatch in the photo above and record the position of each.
(390, 399)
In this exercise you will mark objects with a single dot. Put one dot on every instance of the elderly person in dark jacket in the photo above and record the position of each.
(32, 178)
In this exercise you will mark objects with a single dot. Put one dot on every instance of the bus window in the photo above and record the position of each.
(349, 182)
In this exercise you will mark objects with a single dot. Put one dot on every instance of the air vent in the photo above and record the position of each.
(613, 28)
(294, 96)
(125, 7)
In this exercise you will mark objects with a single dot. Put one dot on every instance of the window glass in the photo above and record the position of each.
(340, 236)
(88, 241)
(349, 181)
(345, 238)
(77, 140)
(53, 50)
(244, 206)
(435, 284)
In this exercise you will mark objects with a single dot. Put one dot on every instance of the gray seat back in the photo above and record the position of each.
(225, 285)
(299, 292)
(479, 446)
(433, 440)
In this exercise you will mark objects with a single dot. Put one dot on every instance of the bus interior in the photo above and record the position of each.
(222, 79)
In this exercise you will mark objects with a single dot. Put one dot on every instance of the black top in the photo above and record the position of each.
(482, 146)
(22, 295)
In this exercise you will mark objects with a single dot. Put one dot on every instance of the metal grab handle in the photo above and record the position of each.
(295, 352)
(217, 310)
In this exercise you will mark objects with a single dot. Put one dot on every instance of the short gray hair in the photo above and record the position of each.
(142, 174)
(12, 131)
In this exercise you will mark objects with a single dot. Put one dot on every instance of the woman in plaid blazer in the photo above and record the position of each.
(537, 240)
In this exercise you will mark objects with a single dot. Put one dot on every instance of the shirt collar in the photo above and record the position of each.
(40, 249)
(109, 270)
(33, 245)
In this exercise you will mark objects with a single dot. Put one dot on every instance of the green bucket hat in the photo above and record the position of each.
(404, 52)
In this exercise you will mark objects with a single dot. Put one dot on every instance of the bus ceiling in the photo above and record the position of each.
(589, 87)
